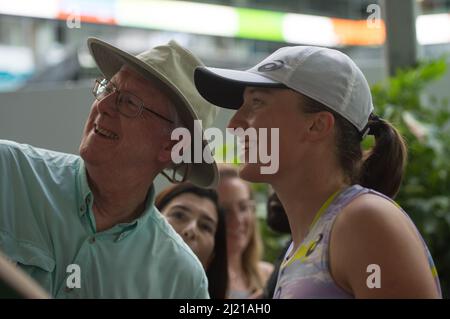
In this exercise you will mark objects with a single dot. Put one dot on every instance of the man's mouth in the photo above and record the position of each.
(105, 133)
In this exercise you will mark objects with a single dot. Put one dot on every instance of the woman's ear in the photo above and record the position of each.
(321, 126)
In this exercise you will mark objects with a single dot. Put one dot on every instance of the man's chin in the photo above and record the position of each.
(82, 150)
(87, 158)
(90, 155)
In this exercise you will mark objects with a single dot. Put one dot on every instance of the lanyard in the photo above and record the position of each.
(302, 251)
(323, 209)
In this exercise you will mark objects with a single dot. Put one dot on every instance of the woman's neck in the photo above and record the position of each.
(303, 194)
(235, 263)
(238, 279)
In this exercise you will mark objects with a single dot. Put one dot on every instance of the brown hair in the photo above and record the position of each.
(380, 168)
(253, 253)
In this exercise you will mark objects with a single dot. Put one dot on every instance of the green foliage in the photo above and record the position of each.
(425, 124)
(226, 153)
(273, 241)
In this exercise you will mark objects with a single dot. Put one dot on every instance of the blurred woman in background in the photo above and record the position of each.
(195, 215)
(248, 273)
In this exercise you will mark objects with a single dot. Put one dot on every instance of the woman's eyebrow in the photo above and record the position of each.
(183, 207)
(203, 214)
(208, 218)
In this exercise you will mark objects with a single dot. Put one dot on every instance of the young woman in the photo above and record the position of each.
(248, 273)
(195, 215)
(350, 239)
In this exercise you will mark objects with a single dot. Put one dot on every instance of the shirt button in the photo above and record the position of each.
(92, 240)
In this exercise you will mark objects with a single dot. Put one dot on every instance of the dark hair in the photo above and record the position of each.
(276, 215)
(380, 168)
(217, 271)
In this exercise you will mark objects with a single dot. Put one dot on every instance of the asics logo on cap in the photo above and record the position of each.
(271, 66)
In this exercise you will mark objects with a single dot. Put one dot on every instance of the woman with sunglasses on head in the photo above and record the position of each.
(350, 239)
(195, 215)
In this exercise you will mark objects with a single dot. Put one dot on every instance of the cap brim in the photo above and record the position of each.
(225, 88)
(110, 60)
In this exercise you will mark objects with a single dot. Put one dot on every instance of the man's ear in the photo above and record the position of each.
(321, 126)
(165, 152)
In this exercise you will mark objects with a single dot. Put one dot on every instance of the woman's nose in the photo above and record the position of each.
(189, 232)
(239, 120)
(234, 218)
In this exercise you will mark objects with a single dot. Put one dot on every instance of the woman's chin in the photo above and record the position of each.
(252, 172)
(237, 244)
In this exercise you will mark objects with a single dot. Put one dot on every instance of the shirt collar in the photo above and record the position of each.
(85, 194)
(128, 228)
(149, 207)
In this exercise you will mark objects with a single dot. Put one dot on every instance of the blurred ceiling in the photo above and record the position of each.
(350, 9)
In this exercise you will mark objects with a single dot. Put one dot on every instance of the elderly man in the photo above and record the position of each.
(87, 227)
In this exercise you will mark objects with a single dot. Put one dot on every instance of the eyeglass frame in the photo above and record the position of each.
(173, 179)
(109, 91)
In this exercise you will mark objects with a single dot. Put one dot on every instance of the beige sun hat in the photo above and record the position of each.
(172, 66)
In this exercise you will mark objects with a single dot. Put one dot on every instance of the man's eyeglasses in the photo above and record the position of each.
(127, 104)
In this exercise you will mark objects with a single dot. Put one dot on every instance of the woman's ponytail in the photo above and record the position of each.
(383, 165)
(380, 168)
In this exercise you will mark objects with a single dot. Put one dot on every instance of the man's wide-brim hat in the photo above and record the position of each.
(172, 67)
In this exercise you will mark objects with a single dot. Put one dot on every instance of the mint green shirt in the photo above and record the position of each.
(47, 225)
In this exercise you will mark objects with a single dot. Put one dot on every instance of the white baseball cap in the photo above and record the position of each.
(325, 75)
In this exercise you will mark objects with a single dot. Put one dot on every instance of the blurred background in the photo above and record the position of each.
(401, 46)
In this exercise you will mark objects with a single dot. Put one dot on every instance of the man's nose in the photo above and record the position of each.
(107, 105)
